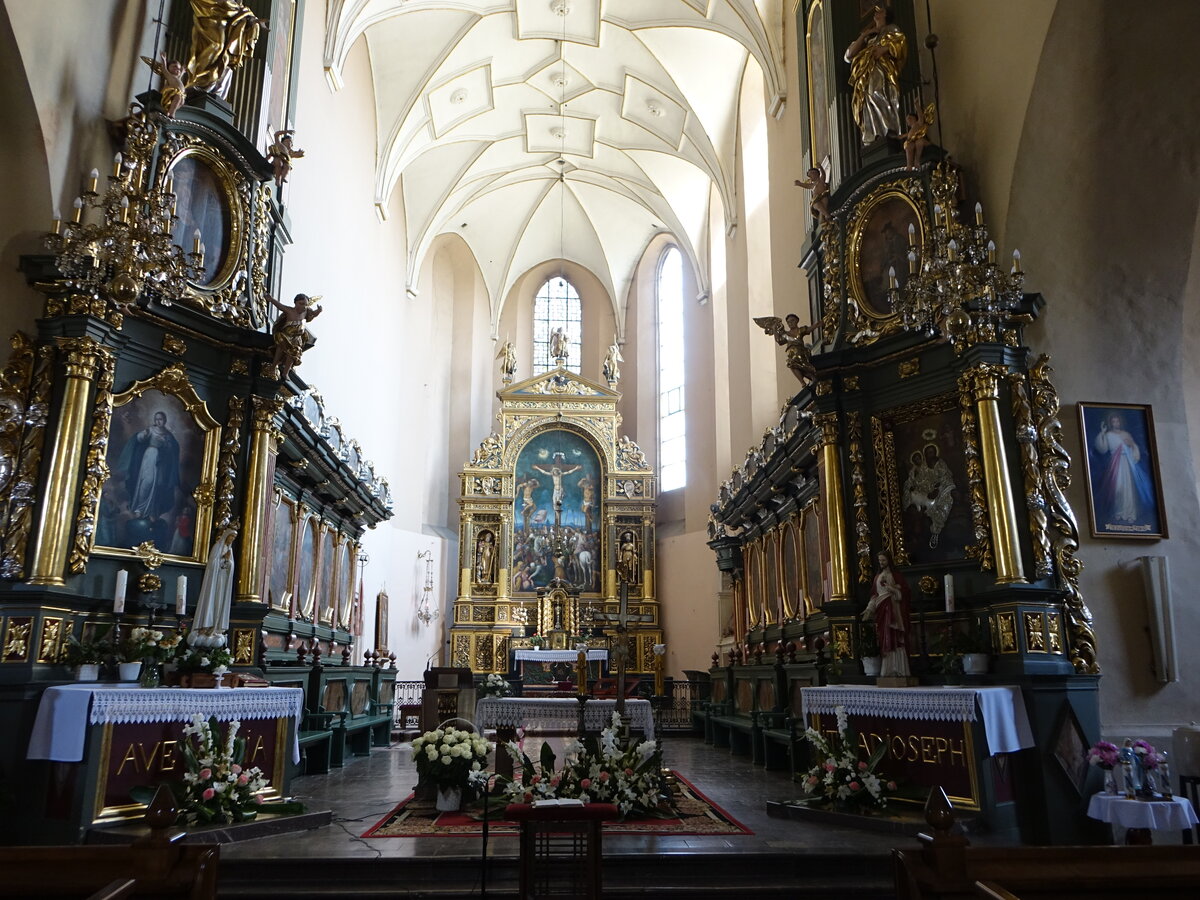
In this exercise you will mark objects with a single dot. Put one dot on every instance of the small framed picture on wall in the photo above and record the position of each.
(1124, 487)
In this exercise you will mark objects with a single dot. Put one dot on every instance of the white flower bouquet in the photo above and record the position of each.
(839, 777)
(494, 686)
(449, 757)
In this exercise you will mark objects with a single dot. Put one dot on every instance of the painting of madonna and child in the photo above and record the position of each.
(557, 471)
(155, 461)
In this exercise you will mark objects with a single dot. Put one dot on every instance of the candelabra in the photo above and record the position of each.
(426, 611)
(128, 247)
(954, 286)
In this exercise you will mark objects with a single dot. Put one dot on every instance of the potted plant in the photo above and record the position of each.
(868, 645)
(536, 642)
(452, 760)
(493, 686)
(976, 651)
(85, 656)
(962, 652)
(142, 652)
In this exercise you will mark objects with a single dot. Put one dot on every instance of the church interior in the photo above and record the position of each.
(740, 364)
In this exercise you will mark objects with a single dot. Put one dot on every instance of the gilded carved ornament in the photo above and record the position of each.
(1035, 501)
(25, 395)
(231, 444)
(981, 527)
(95, 467)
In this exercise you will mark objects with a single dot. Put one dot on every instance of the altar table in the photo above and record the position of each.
(559, 714)
(1139, 817)
(547, 656)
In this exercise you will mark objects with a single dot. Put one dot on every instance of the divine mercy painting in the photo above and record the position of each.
(1124, 488)
(557, 484)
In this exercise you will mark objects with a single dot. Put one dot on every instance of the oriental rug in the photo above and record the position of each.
(696, 815)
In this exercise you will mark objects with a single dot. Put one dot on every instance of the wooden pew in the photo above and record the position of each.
(947, 867)
(316, 734)
(157, 866)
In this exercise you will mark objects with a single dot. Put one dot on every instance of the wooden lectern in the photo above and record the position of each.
(449, 693)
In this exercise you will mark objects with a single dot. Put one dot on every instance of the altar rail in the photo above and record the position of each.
(408, 705)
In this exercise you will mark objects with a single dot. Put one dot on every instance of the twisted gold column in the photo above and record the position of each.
(262, 445)
(1001, 512)
(831, 490)
(53, 536)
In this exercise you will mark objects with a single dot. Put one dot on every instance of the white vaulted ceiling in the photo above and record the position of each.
(540, 129)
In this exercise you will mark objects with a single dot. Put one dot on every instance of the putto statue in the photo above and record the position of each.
(789, 333)
(876, 58)
(174, 82)
(915, 140)
(292, 338)
(224, 34)
(281, 153)
(820, 193)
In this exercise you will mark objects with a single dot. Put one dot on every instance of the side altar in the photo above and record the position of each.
(556, 508)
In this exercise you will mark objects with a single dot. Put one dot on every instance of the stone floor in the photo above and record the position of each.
(368, 788)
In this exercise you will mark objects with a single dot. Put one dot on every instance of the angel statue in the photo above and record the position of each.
(820, 193)
(174, 82)
(559, 346)
(224, 34)
(281, 153)
(876, 59)
(788, 332)
(508, 361)
(915, 141)
(612, 372)
(292, 338)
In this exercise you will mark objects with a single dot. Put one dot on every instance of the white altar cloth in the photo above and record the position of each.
(66, 711)
(1162, 815)
(558, 655)
(559, 714)
(1002, 708)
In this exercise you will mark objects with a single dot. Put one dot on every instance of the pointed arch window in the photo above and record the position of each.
(672, 422)
(556, 305)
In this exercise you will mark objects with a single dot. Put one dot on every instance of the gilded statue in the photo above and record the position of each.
(819, 204)
(291, 336)
(876, 59)
(627, 559)
(915, 140)
(174, 82)
(508, 361)
(485, 558)
(612, 372)
(789, 333)
(281, 153)
(224, 34)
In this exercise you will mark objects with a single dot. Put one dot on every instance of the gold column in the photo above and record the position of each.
(61, 484)
(1001, 512)
(465, 544)
(262, 445)
(831, 486)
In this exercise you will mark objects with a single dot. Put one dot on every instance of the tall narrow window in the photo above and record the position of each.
(672, 427)
(556, 305)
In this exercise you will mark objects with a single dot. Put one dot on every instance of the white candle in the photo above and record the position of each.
(948, 581)
(119, 592)
(181, 595)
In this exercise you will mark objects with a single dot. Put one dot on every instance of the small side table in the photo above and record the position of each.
(1140, 817)
(561, 849)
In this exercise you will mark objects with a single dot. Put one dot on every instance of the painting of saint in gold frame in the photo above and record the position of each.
(326, 598)
(278, 589)
(162, 460)
(306, 568)
(879, 242)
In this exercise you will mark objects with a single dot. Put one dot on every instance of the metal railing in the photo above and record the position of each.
(407, 709)
(675, 712)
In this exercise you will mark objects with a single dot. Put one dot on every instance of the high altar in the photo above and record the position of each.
(554, 505)
(921, 462)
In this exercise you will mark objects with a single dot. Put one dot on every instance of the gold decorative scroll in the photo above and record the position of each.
(231, 444)
(96, 467)
(1035, 502)
(25, 393)
(862, 524)
(832, 265)
(982, 548)
(1055, 464)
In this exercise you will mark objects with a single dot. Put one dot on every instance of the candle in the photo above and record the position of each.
(991, 253)
(948, 581)
(952, 249)
(1016, 268)
(892, 283)
(196, 241)
(93, 180)
(117, 161)
(124, 209)
(119, 591)
(56, 227)
(912, 262)
(77, 205)
(912, 234)
(978, 213)
(170, 184)
(181, 595)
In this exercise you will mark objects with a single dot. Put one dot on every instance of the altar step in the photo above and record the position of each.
(848, 876)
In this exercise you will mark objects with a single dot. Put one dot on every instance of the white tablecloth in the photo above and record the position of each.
(66, 711)
(1002, 709)
(1172, 815)
(558, 714)
(558, 655)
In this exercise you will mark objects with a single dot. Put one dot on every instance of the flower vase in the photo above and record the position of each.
(128, 671)
(88, 672)
(151, 675)
(449, 799)
(1110, 782)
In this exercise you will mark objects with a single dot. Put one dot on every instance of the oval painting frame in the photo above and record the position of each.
(879, 240)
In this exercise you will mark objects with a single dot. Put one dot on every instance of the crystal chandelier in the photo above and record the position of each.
(127, 246)
(426, 611)
(954, 286)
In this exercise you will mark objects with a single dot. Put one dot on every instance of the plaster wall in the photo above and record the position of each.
(687, 591)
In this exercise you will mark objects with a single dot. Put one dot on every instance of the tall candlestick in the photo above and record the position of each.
(948, 581)
(119, 591)
(181, 595)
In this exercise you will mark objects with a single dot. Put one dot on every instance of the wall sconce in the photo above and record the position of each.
(426, 611)
(1156, 575)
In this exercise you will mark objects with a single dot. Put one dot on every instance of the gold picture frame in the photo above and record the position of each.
(280, 572)
(154, 476)
(878, 239)
(325, 584)
(305, 589)
(196, 193)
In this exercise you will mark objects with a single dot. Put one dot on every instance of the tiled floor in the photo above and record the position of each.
(368, 788)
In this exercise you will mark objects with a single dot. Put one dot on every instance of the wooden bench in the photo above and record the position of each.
(315, 735)
(358, 720)
(158, 865)
(947, 867)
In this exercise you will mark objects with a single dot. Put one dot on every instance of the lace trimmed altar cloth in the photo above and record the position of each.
(66, 711)
(558, 714)
(1002, 708)
(558, 655)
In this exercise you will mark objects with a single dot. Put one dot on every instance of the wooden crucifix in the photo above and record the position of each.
(621, 649)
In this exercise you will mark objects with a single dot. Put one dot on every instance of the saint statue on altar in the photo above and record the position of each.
(890, 607)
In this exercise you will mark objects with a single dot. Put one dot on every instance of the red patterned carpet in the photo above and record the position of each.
(696, 815)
